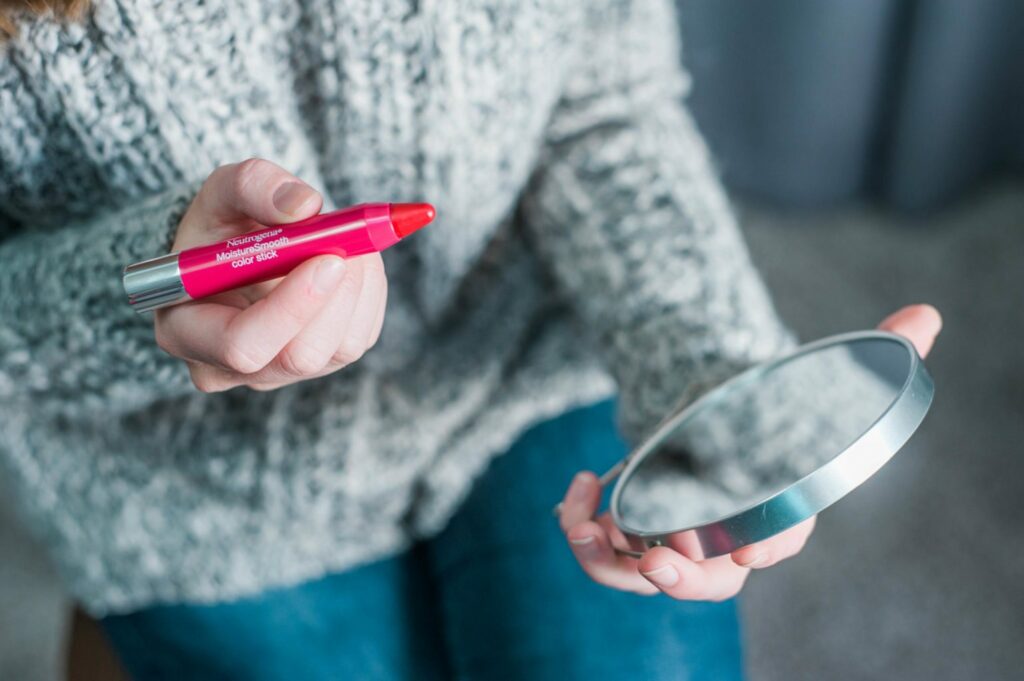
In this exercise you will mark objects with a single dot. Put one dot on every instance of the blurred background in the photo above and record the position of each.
(874, 150)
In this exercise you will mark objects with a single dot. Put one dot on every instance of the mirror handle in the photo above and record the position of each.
(606, 478)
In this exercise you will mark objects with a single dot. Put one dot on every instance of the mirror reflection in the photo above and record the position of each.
(754, 438)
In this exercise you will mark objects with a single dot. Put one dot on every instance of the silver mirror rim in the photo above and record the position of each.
(817, 490)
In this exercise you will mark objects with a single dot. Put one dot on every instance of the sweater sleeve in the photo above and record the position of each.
(67, 334)
(628, 214)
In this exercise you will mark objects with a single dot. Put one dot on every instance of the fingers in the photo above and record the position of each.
(315, 347)
(193, 332)
(590, 541)
(237, 196)
(775, 549)
(715, 579)
(210, 379)
(378, 324)
(257, 334)
(661, 568)
(245, 341)
(359, 331)
(581, 500)
(593, 550)
(223, 344)
(340, 335)
(920, 324)
(257, 189)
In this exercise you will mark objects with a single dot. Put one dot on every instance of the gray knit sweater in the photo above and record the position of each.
(582, 244)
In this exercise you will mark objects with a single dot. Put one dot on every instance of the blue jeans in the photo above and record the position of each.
(495, 596)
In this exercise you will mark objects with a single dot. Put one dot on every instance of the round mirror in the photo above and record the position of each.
(773, 446)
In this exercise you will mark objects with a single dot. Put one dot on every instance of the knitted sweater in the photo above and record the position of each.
(582, 245)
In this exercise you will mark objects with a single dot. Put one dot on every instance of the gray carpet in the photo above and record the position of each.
(31, 607)
(915, 575)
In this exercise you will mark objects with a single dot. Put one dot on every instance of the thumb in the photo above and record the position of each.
(919, 324)
(236, 195)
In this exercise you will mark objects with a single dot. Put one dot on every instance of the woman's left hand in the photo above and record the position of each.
(663, 569)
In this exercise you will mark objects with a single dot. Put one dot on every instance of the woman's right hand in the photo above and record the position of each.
(319, 318)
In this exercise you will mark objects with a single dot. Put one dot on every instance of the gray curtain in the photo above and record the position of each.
(808, 102)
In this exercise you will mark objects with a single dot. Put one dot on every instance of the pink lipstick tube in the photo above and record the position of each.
(269, 253)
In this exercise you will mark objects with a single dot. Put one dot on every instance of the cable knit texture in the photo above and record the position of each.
(582, 242)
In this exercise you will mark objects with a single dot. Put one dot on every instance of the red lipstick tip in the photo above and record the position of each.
(406, 218)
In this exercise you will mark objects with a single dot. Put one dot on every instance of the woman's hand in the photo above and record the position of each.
(663, 569)
(320, 317)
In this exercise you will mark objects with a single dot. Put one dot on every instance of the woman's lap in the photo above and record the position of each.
(373, 622)
(497, 595)
(516, 605)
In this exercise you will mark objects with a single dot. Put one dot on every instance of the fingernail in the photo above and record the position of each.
(666, 576)
(580, 487)
(290, 197)
(585, 546)
(753, 561)
(328, 274)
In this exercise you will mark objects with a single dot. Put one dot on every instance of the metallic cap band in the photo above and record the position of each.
(154, 283)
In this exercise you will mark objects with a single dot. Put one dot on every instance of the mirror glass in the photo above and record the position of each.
(754, 437)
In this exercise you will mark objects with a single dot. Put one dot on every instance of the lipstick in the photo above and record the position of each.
(269, 252)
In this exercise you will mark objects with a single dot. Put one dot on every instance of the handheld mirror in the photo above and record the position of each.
(771, 447)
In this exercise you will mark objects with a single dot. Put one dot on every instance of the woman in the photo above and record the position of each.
(213, 487)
